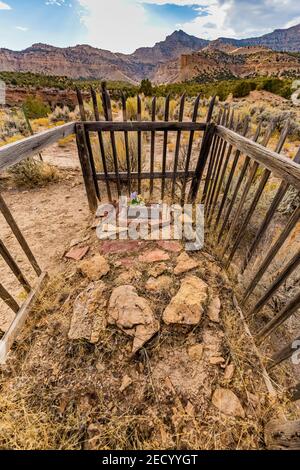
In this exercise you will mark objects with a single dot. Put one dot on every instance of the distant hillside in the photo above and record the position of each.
(84, 61)
(278, 40)
(212, 64)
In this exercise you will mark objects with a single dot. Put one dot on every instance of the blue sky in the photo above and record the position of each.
(124, 25)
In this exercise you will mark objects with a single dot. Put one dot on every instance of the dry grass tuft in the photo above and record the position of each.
(31, 173)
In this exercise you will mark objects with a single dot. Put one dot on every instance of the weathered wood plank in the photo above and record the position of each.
(272, 253)
(8, 339)
(231, 172)
(284, 354)
(133, 126)
(165, 147)
(152, 144)
(106, 102)
(217, 148)
(145, 175)
(139, 141)
(18, 234)
(280, 318)
(124, 110)
(8, 299)
(101, 141)
(294, 395)
(14, 267)
(11, 154)
(282, 435)
(242, 174)
(202, 160)
(222, 172)
(211, 109)
(267, 219)
(88, 141)
(263, 181)
(177, 148)
(86, 167)
(189, 150)
(282, 276)
(280, 166)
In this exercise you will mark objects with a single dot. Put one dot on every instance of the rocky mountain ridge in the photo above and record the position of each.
(84, 61)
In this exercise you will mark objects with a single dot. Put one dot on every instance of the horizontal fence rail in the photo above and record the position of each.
(11, 154)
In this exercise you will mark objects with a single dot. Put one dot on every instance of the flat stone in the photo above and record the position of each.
(196, 352)
(216, 360)
(127, 277)
(229, 372)
(214, 309)
(133, 315)
(126, 262)
(119, 246)
(77, 253)
(162, 283)
(188, 304)
(227, 402)
(158, 269)
(94, 268)
(173, 246)
(185, 264)
(89, 311)
(126, 382)
(154, 256)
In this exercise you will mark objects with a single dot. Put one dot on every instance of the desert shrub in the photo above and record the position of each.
(243, 89)
(30, 173)
(35, 108)
(131, 106)
(60, 114)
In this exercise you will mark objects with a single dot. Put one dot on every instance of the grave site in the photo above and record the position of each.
(112, 343)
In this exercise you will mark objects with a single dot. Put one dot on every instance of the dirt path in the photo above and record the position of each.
(49, 217)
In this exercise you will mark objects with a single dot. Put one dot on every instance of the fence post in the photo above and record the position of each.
(85, 163)
(203, 156)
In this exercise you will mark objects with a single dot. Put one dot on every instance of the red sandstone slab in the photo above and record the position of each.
(153, 256)
(77, 253)
(173, 246)
(120, 246)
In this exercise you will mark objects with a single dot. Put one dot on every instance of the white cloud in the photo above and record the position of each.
(119, 25)
(123, 25)
(22, 28)
(4, 6)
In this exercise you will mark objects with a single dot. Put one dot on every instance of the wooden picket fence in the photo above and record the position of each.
(230, 176)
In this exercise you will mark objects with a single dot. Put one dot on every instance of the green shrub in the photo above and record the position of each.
(243, 89)
(35, 108)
